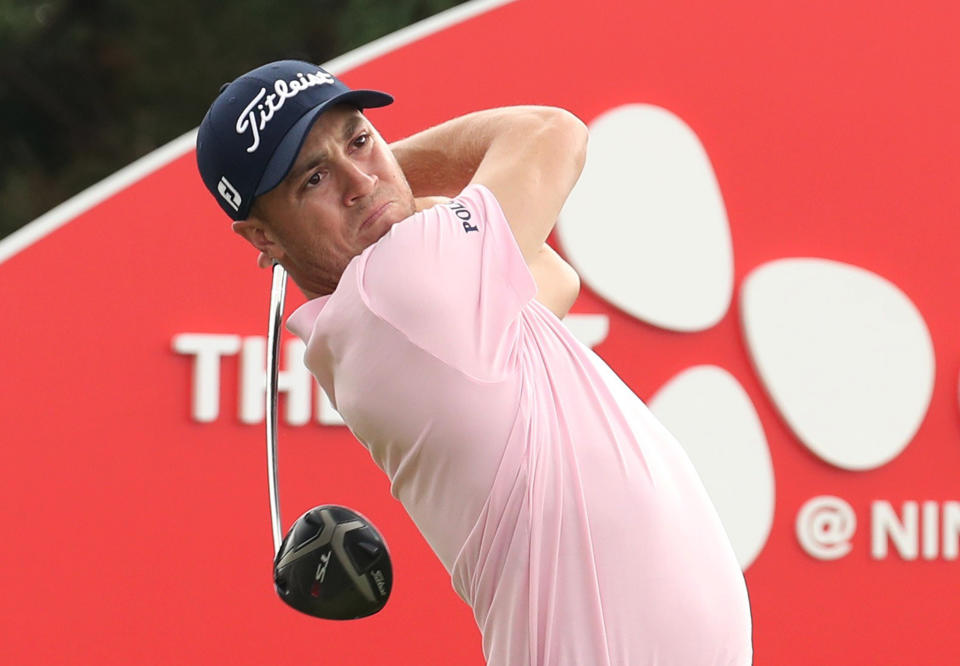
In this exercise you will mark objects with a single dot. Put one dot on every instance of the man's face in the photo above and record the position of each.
(343, 193)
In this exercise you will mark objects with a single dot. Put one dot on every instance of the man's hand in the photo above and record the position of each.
(423, 203)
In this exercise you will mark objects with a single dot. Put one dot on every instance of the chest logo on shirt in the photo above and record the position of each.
(465, 216)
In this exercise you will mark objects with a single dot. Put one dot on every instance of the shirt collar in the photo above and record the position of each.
(300, 323)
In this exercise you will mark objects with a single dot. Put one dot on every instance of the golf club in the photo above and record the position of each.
(333, 563)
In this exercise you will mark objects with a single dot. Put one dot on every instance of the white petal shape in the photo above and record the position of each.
(711, 415)
(845, 355)
(646, 225)
(590, 329)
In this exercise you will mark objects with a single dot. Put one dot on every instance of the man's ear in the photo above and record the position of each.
(258, 236)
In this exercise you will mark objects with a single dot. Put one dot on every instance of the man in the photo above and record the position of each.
(568, 517)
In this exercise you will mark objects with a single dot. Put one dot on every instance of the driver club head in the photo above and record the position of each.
(333, 564)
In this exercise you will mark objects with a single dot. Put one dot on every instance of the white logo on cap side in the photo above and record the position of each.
(229, 193)
(283, 90)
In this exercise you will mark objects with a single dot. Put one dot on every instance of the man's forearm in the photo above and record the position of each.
(443, 159)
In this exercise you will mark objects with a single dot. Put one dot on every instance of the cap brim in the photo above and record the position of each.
(286, 153)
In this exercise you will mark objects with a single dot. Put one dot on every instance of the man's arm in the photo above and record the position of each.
(558, 285)
(529, 157)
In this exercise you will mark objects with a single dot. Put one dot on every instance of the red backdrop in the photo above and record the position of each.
(137, 535)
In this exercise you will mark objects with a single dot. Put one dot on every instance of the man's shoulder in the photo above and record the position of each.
(443, 253)
(442, 218)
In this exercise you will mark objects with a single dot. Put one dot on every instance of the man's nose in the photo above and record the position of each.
(358, 183)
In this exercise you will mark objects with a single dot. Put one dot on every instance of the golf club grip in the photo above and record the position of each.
(278, 292)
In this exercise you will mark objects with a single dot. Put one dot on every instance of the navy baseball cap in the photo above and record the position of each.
(253, 131)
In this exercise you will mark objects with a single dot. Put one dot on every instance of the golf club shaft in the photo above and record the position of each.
(278, 292)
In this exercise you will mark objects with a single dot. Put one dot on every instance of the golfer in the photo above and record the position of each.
(570, 520)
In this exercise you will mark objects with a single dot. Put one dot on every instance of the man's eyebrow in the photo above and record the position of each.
(351, 126)
(348, 130)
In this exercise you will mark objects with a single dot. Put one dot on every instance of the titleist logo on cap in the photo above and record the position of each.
(282, 91)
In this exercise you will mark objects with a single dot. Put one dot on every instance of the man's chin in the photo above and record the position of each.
(399, 212)
(384, 224)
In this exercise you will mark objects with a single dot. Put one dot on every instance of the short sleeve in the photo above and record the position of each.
(453, 280)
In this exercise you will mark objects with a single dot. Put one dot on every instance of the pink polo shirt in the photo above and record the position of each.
(569, 519)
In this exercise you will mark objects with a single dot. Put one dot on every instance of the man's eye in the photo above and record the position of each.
(361, 140)
(314, 179)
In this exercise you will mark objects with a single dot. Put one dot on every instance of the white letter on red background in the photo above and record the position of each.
(951, 530)
(206, 348)
(904, 534)
(294, 381)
